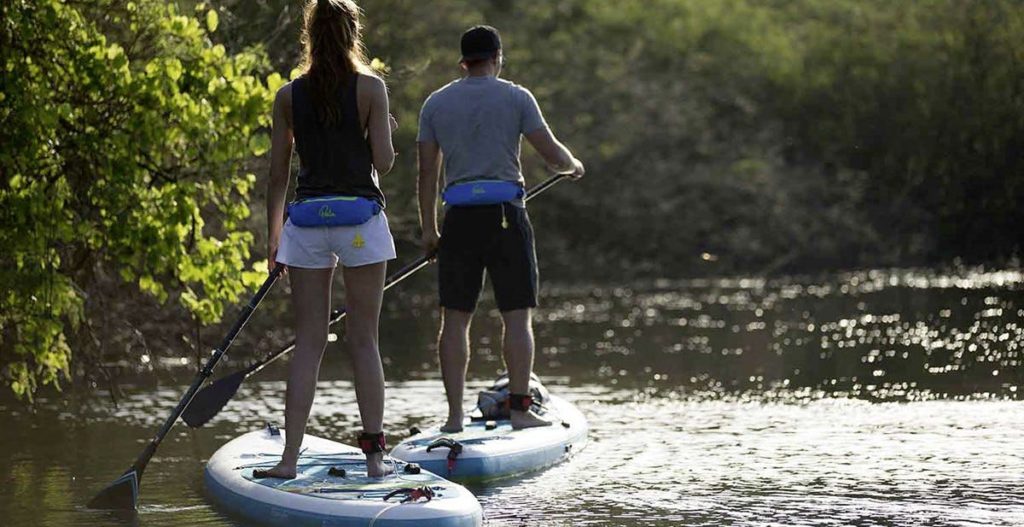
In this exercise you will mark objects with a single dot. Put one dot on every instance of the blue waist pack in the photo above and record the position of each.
(482, 192)
(332, 211)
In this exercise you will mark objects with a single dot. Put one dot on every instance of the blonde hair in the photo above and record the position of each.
(332, 52)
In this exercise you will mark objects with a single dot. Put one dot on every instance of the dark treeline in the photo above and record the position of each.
(720, 136)
(737, 135)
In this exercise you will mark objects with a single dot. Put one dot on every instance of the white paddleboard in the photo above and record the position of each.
(321, 497)
(493, 450)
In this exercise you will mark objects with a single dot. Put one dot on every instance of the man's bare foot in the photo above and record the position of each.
(527, 419)
(453, 425)
(376, 467)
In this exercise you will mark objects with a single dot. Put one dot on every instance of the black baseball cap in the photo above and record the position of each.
(480, 42)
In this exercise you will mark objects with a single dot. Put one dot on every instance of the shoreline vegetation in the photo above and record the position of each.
(723, 137)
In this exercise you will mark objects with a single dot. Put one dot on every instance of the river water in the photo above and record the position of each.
(884, 397)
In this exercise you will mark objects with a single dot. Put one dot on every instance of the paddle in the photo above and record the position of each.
(123, 493)
(211, 399)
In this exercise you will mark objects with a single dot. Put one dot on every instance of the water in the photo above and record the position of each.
(870, 398)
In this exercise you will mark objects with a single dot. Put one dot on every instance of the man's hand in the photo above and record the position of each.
(578, 170)
(429, 242)
(393, 123)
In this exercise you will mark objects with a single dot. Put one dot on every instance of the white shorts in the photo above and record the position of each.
(324, 247)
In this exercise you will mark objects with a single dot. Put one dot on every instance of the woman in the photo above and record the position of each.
(337, 115)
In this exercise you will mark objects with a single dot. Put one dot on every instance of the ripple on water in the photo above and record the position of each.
(883, 397)
(673, 461)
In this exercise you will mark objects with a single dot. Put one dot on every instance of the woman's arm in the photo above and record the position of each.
(379, 127)
(280, 166)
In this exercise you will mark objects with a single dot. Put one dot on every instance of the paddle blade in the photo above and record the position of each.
(121, 494)
(209, 401)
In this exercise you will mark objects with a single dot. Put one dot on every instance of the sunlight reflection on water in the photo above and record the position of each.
(868, 398)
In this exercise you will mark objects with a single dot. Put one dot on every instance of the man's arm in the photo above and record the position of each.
(554, 153)
(429, 159)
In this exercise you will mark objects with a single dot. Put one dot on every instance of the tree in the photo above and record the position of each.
(123, 128)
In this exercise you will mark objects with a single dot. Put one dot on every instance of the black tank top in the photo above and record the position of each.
(333, 159)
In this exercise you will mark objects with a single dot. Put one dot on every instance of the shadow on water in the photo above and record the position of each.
(867, 398)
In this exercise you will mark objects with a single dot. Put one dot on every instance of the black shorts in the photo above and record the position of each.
(473, 240)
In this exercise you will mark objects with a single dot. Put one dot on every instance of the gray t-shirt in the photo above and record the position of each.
(478, 122)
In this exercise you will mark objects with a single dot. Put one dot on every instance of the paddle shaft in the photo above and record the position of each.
(398, 276)
(140, 463)
(123, 492)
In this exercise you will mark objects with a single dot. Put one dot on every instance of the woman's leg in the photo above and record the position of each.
(311, 305)
(364, 292)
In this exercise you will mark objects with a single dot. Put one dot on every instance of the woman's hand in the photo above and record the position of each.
(272, 257)
(393, 122)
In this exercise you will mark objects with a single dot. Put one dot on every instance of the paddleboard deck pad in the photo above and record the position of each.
(488, 450)
(331, 488)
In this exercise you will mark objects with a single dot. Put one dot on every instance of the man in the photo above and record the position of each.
(474, 125)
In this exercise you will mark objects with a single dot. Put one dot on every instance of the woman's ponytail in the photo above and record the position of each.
(333, 53)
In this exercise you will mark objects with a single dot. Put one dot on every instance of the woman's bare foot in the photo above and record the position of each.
(527, 419)
(281, 471)
(285, 469)
(376, 467)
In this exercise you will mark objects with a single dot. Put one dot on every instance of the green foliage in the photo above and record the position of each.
(122, 129)
(720, 136)
(926, 99)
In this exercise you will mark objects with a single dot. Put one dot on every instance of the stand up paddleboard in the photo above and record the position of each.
(488, 450)
(331, 488)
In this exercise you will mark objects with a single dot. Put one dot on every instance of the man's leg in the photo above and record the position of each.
(513, 270)
(460, 274)
(517, 348)
(453, 351)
